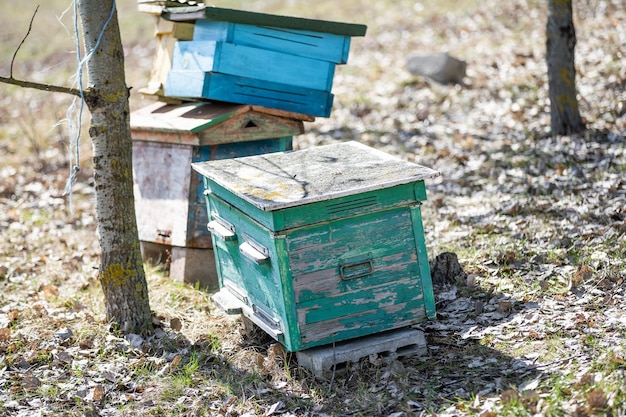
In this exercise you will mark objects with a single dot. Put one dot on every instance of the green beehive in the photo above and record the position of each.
(320, 245)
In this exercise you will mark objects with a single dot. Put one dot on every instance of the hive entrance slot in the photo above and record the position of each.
(351, 205)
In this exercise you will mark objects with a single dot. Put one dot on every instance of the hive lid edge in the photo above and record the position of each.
(266, 205)
(263, 19)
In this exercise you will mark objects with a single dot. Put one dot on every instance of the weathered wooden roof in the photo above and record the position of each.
(206, 123)
(288, 179)
(263, 19)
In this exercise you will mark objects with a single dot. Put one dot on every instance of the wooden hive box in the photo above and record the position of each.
(315, 44)
(255, 58)
(228, 88)
(166, 33)
(170, 206)
(320, 245)
(248, 62)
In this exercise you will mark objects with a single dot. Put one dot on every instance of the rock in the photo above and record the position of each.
(64, 333)
(176, 324)
(135, 340)
(446, 270)
(440, 67)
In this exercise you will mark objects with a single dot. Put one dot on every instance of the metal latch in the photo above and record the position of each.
(237, 293)
(222, 229)
(255, 252)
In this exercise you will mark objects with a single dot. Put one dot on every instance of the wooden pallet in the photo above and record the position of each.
(323, 360)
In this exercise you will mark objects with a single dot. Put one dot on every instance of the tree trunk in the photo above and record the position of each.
(121, 272)
(561, 41)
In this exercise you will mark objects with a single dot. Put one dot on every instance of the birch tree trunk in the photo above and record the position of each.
(561, 41)
(121, 272)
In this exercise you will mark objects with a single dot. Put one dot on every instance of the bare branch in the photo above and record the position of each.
(44, 87)
(39, 86)
(30, 27)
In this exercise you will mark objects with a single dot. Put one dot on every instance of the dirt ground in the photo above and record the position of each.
(534, 326)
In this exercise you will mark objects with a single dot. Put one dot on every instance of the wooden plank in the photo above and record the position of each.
(166, 33)
(168, 118)
(250, 127)
(362, 324)
(150, 9)
(255, 63)
(183, 31)
(293, 338)
(146, 135)
(324, 360)
(348, 206)
(378, 233)
(164, 27)
(233, 89)
(161, 64)
(161, 203)
(316, 45)
(395, 293)
(321, 284)
(422, 257)
(264, 19)
(283, 113)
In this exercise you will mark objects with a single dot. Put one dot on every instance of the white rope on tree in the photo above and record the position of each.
(76, 128)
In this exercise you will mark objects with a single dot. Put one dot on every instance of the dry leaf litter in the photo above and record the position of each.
(538, 224)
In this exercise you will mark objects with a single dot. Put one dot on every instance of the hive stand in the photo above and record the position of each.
(388, 346)
(322, 361)
(169, 204)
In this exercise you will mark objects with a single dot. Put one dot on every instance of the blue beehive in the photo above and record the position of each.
(247, 62)
(234, 89)
(306, 43)
(274, 61)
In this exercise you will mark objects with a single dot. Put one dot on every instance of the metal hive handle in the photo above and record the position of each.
(221, 231)
(356, 269)
(255, 255)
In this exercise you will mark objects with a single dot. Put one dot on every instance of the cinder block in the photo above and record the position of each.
(193, 266)
(390, 345)
(157, 253)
